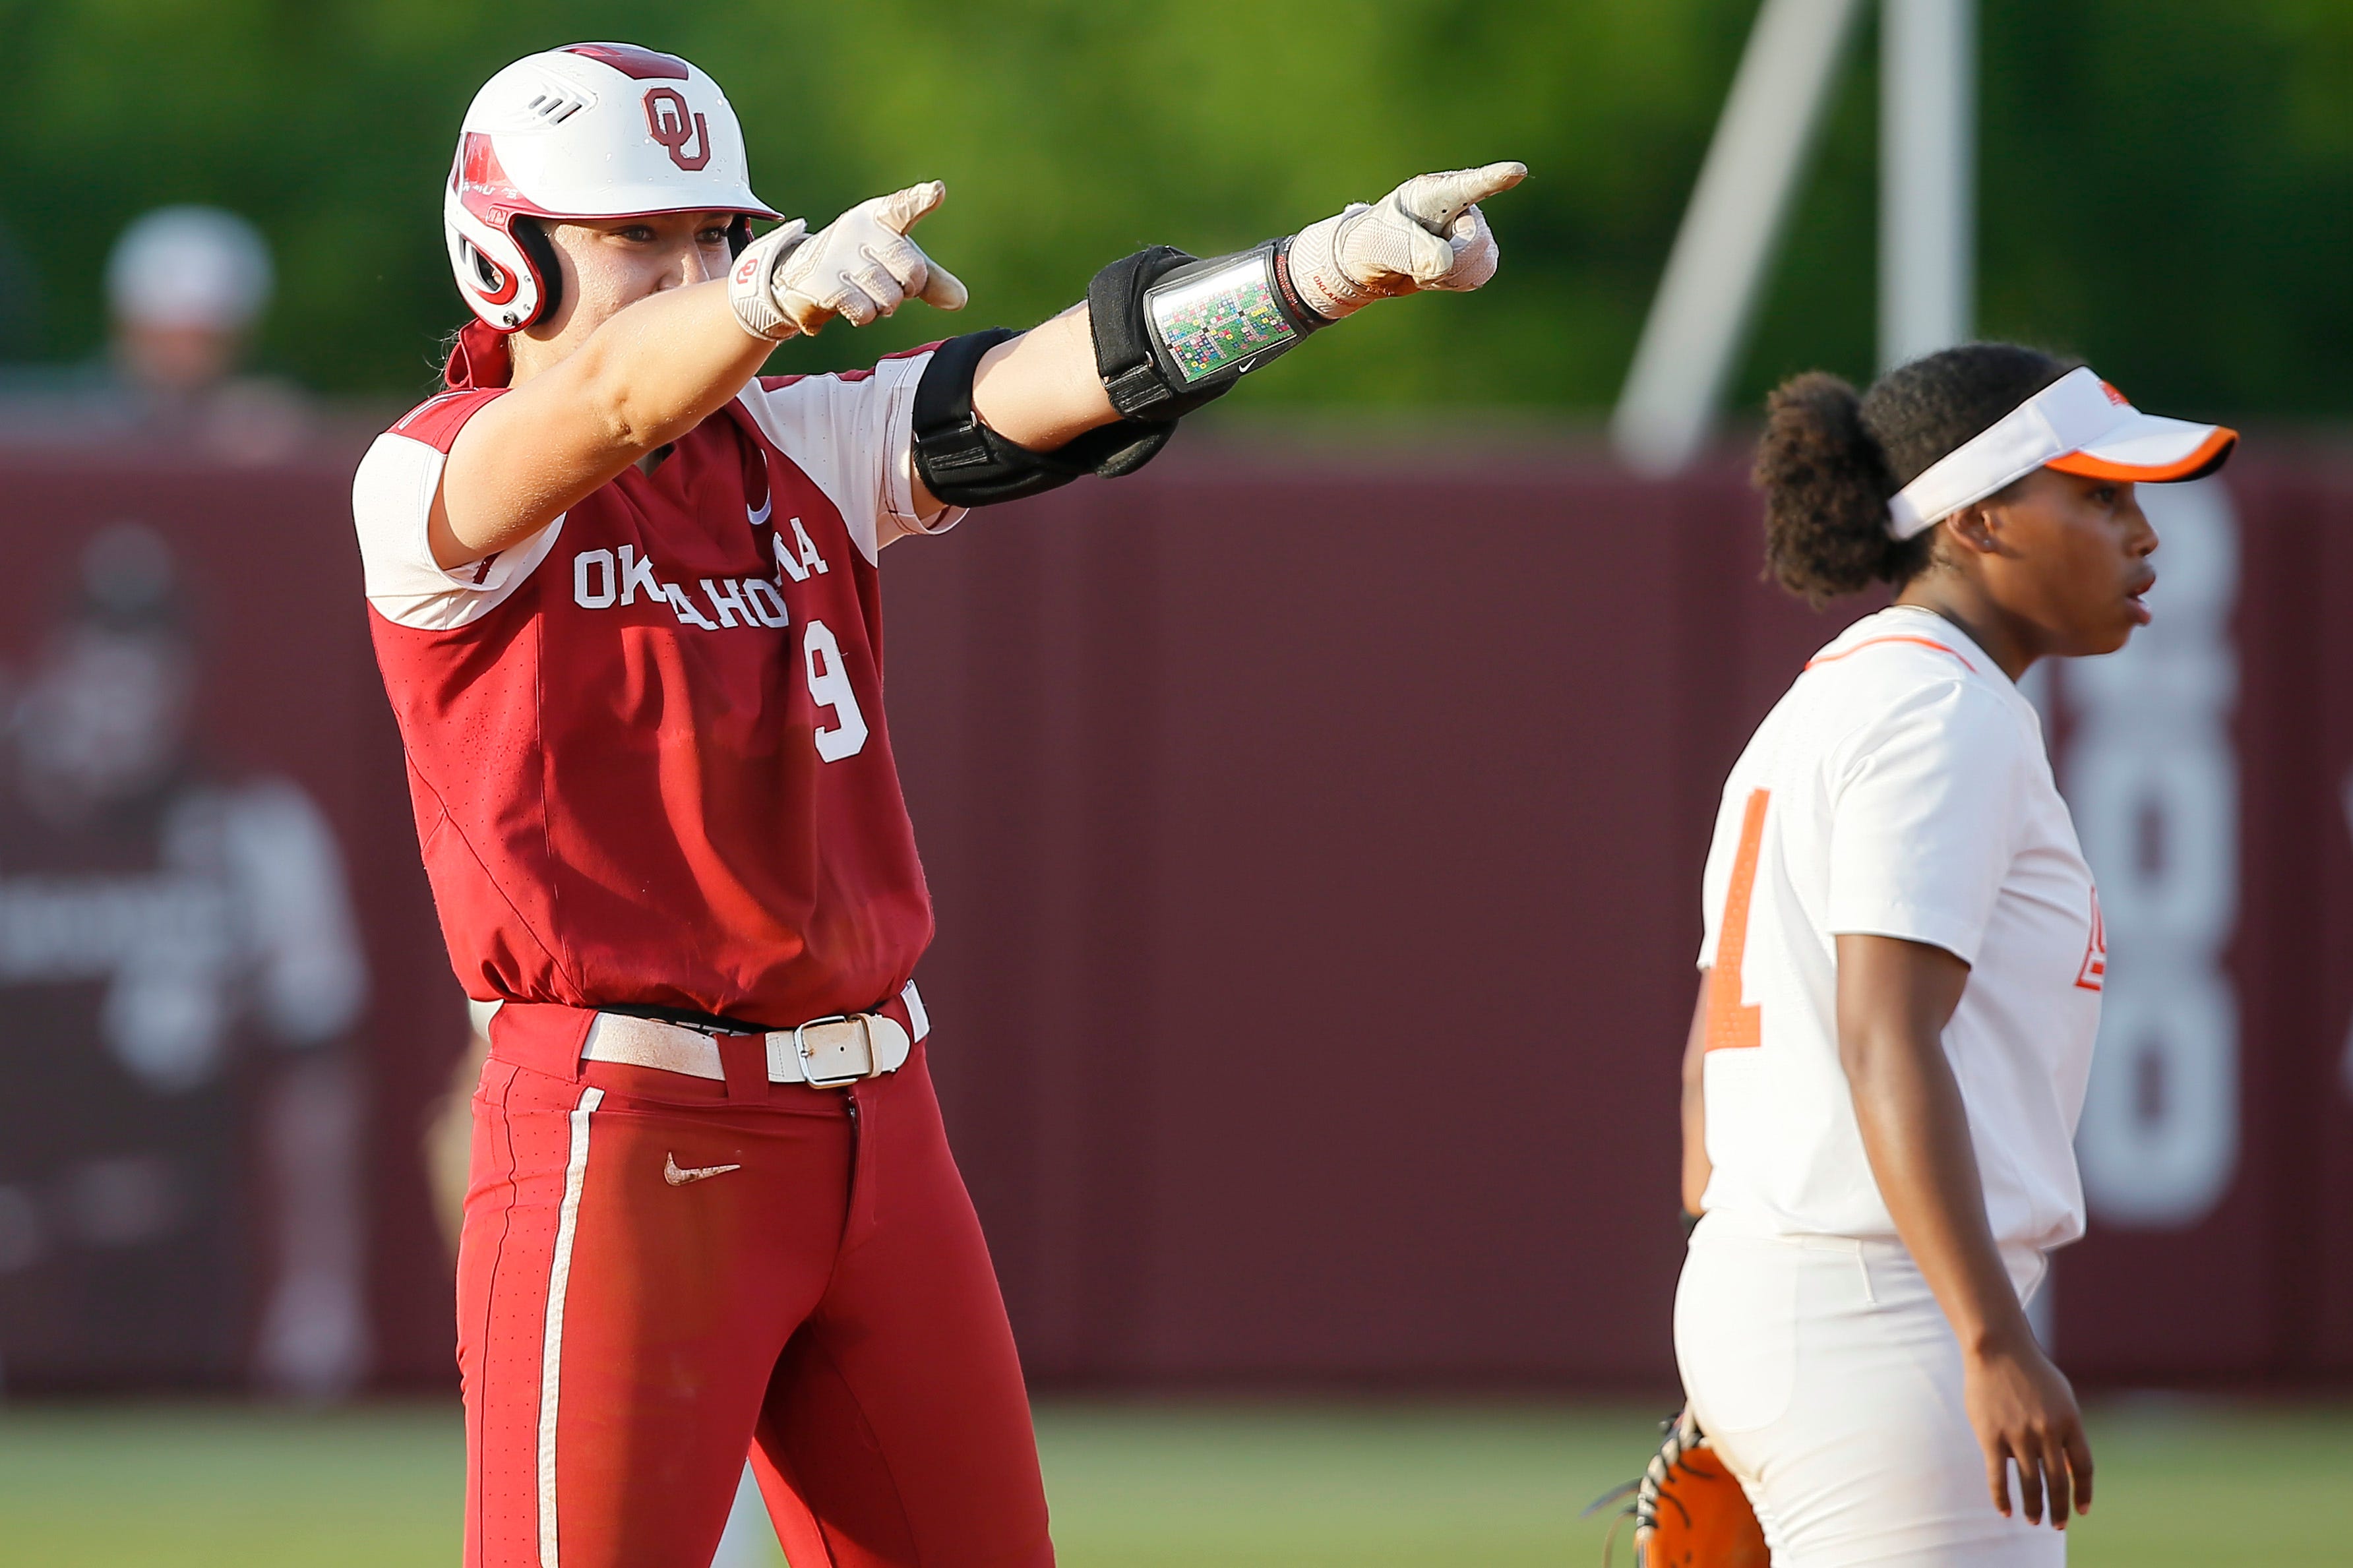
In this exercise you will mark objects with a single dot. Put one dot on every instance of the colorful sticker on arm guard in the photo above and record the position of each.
(1215, 320)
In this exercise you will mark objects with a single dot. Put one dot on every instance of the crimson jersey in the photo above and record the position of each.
(646, 746)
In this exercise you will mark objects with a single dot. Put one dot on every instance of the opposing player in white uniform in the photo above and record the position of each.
(1902, 968)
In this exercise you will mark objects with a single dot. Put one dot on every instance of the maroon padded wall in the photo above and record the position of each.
(287, 686)
(1316, 847)
(1317, 857)
(2313, 1232)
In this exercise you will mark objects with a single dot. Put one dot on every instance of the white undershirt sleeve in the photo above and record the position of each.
(854, 435)
(392, 498)
(1925, 801)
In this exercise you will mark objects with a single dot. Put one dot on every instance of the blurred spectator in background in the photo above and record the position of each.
(180, 967)
(185, 287)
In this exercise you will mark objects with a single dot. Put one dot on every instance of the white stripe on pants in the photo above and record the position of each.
(559, 1279)
(1825, 1373)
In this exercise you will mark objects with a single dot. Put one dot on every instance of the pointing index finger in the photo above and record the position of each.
(901, 210)
(1437, 200)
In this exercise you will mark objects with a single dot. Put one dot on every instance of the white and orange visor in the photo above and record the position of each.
(2078, 425)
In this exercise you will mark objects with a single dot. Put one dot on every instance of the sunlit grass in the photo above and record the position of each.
(1133, 1485)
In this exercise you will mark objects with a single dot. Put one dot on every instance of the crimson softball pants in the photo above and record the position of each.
(659, 1273)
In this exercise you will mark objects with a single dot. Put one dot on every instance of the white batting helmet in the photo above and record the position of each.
(588, 131)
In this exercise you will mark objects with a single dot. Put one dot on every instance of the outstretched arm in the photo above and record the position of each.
(661, 365)
(658, 367)
(1895, 998)
(1045, 388)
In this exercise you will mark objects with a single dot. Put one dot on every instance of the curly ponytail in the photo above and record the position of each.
(1830, 460)
(1826, 485)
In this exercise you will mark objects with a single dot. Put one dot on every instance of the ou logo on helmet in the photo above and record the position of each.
(677, 127)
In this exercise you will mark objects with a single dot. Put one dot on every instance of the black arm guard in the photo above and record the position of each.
(964, 463)
(1173, 333)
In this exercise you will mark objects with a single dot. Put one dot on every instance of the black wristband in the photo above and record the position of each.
(1172, 333)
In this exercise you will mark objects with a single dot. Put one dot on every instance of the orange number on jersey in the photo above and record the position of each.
(1730, 1025)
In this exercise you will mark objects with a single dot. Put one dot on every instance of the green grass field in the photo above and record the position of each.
(1134, 1486)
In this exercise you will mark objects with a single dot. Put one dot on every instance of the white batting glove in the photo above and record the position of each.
(1428, 233)
(861, 267)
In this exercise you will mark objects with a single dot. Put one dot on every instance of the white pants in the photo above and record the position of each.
(1824, 1372)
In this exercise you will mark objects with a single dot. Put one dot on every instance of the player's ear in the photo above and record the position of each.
(1972, 531)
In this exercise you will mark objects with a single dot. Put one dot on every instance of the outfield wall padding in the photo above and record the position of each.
(1316, 845)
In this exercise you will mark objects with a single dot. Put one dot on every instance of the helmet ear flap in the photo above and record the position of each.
(493, 274)
(486, 271)
(739, 235)
(540, 251)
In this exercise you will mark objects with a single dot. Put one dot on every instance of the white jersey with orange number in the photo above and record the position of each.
(1900, 789)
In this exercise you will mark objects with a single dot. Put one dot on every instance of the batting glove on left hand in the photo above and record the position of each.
(861, 267)
(1428, 233)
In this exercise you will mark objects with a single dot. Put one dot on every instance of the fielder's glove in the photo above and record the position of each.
(1688, 1510)
(860, 268)
(1428, 233)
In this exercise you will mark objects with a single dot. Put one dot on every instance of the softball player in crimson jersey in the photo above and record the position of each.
(624, 598)
(1903, 968)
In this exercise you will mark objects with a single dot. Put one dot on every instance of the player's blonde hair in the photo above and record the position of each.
(1830, 459)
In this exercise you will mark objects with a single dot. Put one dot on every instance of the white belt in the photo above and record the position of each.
(824, 1053)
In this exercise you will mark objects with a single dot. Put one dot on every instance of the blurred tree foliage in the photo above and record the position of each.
(2168, 183)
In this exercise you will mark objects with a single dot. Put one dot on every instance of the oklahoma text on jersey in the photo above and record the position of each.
(711, 634)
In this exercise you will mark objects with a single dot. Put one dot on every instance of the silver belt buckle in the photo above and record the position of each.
(808, 1071)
